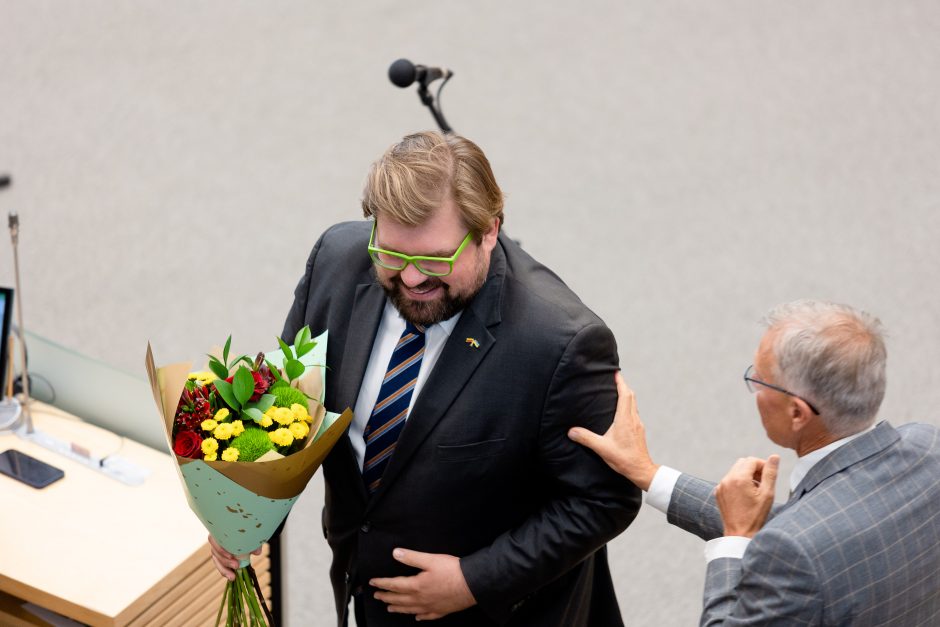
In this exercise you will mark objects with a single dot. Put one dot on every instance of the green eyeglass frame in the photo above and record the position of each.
(429, 266)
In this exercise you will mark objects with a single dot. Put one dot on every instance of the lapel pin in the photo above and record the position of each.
(472, 342)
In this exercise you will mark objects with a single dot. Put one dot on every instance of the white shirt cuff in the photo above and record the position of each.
(661, 487)
(727, 546)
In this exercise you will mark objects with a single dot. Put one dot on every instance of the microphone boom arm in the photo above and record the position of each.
(429, 101)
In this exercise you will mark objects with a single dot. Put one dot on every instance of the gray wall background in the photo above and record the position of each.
(683, 165)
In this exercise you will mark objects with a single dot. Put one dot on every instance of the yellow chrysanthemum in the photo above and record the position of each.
(224, 431)
(210, 446)
(209, 425)
(283, 416)
(299, 411)
(266, 421)
(230, 454)
(281, 437)
(211, 457)
(299, 430)
(204, 377)
(221, 415)
(237, 428)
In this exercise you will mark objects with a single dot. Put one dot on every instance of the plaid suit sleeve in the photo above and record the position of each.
(774, 584)
(693, 508)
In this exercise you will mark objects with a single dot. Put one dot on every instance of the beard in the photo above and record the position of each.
(426, 313)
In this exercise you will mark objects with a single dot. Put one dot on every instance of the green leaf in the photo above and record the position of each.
(254, 413)
(217, 368)
(243, 385)
(293, 369)
(228, 345)
(274, 372)
(285, 349)
(263, 404)
(244, 358)
(302, 337)
(224, 388)
(306, 348)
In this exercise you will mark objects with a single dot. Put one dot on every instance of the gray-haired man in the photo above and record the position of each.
(858, 541)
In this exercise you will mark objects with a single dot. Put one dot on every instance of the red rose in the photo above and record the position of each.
(188, 444)
(261, 385)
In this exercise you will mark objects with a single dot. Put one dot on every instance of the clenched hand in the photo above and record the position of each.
(746, 494)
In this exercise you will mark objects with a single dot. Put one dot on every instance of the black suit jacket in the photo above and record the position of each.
(483, 469)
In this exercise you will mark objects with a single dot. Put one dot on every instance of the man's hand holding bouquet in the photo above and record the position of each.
(247, 434)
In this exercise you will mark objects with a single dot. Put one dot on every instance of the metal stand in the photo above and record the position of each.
(429, 101)
(14, 224)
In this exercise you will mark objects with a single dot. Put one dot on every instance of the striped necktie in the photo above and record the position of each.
(391, 406)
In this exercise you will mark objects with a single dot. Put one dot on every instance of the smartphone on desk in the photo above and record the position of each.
(28, 469)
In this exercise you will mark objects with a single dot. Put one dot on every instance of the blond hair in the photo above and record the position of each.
(409, 182)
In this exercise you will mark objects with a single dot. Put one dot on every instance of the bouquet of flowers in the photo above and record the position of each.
(248, 434)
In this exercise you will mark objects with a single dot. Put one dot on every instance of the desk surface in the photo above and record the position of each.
(88, 546)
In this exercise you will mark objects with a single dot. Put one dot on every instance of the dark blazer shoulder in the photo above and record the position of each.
(344, 242)
(536, 294)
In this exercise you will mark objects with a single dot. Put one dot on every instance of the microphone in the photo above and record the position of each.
(403, 73)
(5, 180)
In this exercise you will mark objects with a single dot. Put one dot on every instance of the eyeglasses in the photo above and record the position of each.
(430, 266)
(748, 380)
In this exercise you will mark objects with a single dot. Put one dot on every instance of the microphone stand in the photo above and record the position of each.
(14, 223)
(10, 409)
(428, 100)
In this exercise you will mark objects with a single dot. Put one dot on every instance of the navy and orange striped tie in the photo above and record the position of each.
(391, 407)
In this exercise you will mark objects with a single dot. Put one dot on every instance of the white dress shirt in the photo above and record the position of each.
(386, 338)
(664, 482)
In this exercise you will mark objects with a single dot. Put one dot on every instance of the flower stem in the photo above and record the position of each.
(235, 603)
(253, 610)
(218, 617)
(257, 586)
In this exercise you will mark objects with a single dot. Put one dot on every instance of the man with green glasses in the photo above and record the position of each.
(455, 494)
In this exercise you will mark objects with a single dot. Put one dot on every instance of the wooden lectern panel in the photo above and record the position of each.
(101, 552)
(189, 601)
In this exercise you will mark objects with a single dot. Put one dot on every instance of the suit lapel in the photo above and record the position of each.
(363, 325)
(458, 361)
(862, 447)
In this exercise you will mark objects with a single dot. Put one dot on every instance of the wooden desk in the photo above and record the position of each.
(99, 551)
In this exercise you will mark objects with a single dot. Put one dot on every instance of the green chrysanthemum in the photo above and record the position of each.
(285, 396)
(252, 444)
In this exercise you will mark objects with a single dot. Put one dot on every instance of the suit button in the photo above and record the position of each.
(365, 527)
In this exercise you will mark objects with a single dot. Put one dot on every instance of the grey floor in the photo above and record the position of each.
(684, 166)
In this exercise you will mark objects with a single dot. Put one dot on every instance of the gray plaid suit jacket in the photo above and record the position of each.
(858, 542)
